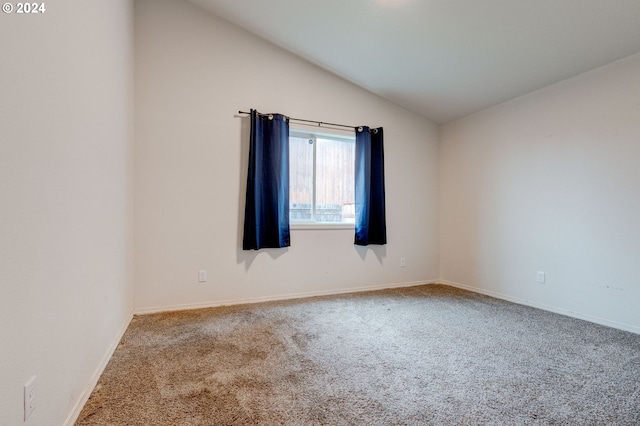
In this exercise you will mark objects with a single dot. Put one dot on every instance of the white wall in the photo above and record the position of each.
(66, 208)
(546, 182)
(193, 72)
(550, 182)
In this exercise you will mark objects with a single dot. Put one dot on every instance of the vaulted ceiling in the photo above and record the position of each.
(445, 59)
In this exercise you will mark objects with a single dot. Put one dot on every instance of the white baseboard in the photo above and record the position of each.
(86, 392)
(545, 307)
(213, 304)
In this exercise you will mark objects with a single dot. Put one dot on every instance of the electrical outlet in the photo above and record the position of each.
(29, 397)
(403, 262)
(540, 277)
(202, 276)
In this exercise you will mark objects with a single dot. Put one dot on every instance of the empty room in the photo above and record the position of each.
(391, 212)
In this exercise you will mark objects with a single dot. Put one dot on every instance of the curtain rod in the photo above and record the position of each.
(319, 123)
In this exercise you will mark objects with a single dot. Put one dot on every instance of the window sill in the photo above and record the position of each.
(321, 226)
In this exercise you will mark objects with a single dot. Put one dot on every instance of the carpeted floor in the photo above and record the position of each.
(426, 355)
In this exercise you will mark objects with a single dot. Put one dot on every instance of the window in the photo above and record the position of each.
(321, 178)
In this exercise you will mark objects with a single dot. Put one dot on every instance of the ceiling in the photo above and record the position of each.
(445, 59)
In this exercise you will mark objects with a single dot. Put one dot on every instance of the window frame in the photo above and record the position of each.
(300, 131)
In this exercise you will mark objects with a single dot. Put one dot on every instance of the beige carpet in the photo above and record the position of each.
(414, 356)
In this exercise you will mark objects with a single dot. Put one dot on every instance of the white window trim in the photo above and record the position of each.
(313, 134)
(309, 226)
